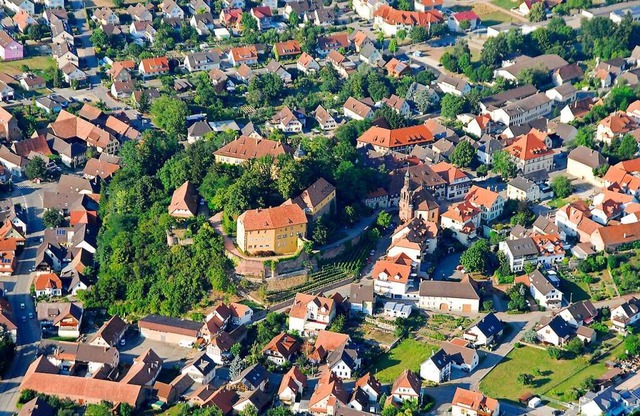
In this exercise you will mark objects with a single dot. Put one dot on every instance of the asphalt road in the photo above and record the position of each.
(29, 195)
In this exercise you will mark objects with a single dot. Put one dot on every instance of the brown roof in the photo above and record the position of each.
(459, 351)
(589, 157)
(250, 148)
(474, 400)
(357, 106)
(89, 112)
(47, 281)
(36, 144)
(272, 218)
(111, 329)
(154, 65)
(528, 147)
(284, 344)
(619, 122)
(329, 387)
(185, 198)
(68, 126)
(170, 325)
(313, 195)
(408, 379)
(288, 380)
(402, 17)
(330, 341)
(300, 302)
(95, 167)
(288, 48)
(145, 369)
(618, 234)
(464, 289)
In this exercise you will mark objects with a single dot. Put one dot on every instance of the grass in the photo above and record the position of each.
(575, 290)
(34, 63)
(551, 377)
(495, 18)
(505, 4)
(408, 354)
(557, 203)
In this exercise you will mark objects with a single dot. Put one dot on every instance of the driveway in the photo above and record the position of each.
(447, 266)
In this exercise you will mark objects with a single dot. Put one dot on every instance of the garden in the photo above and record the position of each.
(407, 355)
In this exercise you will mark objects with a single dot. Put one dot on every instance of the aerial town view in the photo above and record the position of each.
(319, 207)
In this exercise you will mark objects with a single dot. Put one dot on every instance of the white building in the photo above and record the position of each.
(449, 296)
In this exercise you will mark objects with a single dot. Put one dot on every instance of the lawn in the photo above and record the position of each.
(34, 63)
(551, 377)
(495, 18)
(505, 4)
(409, 354)
(557, 203)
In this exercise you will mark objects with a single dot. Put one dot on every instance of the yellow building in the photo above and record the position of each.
(274, 230)
(317, 200)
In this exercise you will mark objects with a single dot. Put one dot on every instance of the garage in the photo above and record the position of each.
(466, 307)
(444, 306)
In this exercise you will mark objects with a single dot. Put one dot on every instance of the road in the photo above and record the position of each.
(29, 196)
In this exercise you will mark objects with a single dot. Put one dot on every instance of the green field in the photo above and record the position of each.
(551, 377)
(409, 354)
(505, 4)
(495, 18)
(34, 63)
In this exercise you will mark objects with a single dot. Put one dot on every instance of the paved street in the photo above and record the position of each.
(29, 196)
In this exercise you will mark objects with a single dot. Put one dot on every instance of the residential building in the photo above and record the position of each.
(357, 109)
(425, 5)
(456, 20)
(110, 333)
(362, 298)
(328, 395)
(317, 201)
(485, 331)
(437, 368)
(182, 332)
(292, 386)
(324, 118)
(247, 55)
(311, 313)
(10, 131)
(307, 64)
(523, 189)
(170, 9)
(543, 291)
(567, 73)
(10, 50)
(281, 349)
(17, 6)
(458, 183)
(530, 153)
(394, 310)
(288, 121)
(62, 318)
(406, 387)
(397, 69)
(582, 162)
(390, 20)
(271, 230)
(614, 126)
(625, 314)
(580, 313)
(471, 403)
(612, 236)
(286, 50)
(490, 203)
(332, 42)
(47, 284)
(184, 201)
(547, 62)
(524, 110)
(463, 219)
(453, 85)
(554, 331)
(392, 277)
(546, 249)
(151, 67)
(450, 296)
(401, 140)
(366, 8)
(202, 61)
(414, 239)
(201, 369)
(399, 105)
(246, 148)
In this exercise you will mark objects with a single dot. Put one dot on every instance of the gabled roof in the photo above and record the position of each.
(465, 289)
(185, 198)
(251, 148)
(395, 270)
(474, 401)
(392, 138)
(272, 218)
(528, 147)
(313, 195)
(489, 325)
(284, 344)
(408, 379)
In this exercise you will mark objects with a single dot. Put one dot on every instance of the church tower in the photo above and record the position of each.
(406, 199)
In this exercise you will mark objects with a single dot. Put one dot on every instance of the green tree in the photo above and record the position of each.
(452, 105)
(52, 218)
(236, 367)
(517, 299)
(418, 34)
(562, 186)
(503, 165)
(36, 169)
(632, 345)
(463, 154)
(538, 12)
(98, 410)
(525, 379)
(236, 349)
(320, 232)
(537, 76)
(294, 19)
(170, 115)
(405, 5)
(575, 346)
(249, 410)
(279, 411)
(143, 104)
(402, 34)
(338, 324)
(554, 352)
(118, 3)
(628, 147)
(35, 32)
(393, 46)
(465, 25)
(384, 219)
(99, 38)
(530, 337)
(477, 258)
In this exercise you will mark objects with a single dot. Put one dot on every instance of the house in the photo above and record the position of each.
(397, 69)
(391, 277)
(122, 89)
(140, 12)
(145, 369)
(10, 50)
(566, 74)
(580, 313)
(324, 118)
(171, 10)
(547, 62)
(17, 6)
(344, 66)
(198, 131)
(555, 331)
(576, 110)
(6, 92)
(317, 201)
(105, 16)
(203, 23)
(460, 296)
(333, 348)
(617, 16)
(275, 67)
(357, 109)
(453, 85)
(151, 67)
(523, 189)
(425, 5)
(288, 49)
(184, 201)
(332, 42)
(110, 332)
(530, 153)
(463, 21)
(489, 203)
(390, 20)
(485, 331)
(71, 73)
(246, 148)
(458, 183)
(463, 219)
(612, 236)
(288, 121)
(253, 378)
(582, 162)
(436, 368)
(360, 39)
(406, 387)
(524, 110)
(328, 395)
(247, 55)
(543, 291)
(32, 82)
(399, 105)
(37, 407)
(384, 140)
(362, 298)
(121, 70)
(414, 239)
(625, 314)
(48, 284)
(202, 61)
(307, 64)
(370, 55)
(562, 95)
(526, 6)
(611, 400)
(281, 349)
(470, 403)
(310, 313)
(201, 369)
(182, 332)
(262, 15)
(614, 126)
(276, 229)
(397, 310)
(292, 386)
(546, 249)
(65, 318)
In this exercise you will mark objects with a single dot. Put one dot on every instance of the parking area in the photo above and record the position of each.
(172, 355)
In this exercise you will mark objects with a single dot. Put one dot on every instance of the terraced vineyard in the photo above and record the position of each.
(348, 265)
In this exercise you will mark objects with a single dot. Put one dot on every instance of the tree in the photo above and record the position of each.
(632, 345)
(538, 12)
(143, 103)
(463, 154)
(99, 38)
(405, 5)
(418, 34)
(53, 218)
(170, 115)
(503, 165)
(279, 411)
(452, 105)
(530, 337)
(384, 219)
(562, 186)
(554, 352)
(118, 3)
(525, 379)
(477, 258)
(338, 324)
(575, 346)
(36, 169)
(320, 232)
(236, 367)
(236, 349)
(249, 410)
(101, 409)
(35, 32)
(517, 298)
(465, 25)
(294, 19)
(537, 76)
(393, 46)
(628, 147)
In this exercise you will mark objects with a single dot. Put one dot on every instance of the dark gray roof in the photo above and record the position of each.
(440, 359)
(498, 100)
(203, 363)
(582, 310)
(361, 293)
(559, 326)
(521, 183)
(254, 375)
(522, 247)
(540, 282)
(489, 325)
(589, 157)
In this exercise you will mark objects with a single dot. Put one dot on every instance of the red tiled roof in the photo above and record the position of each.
(404, 136)
(272, 218)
